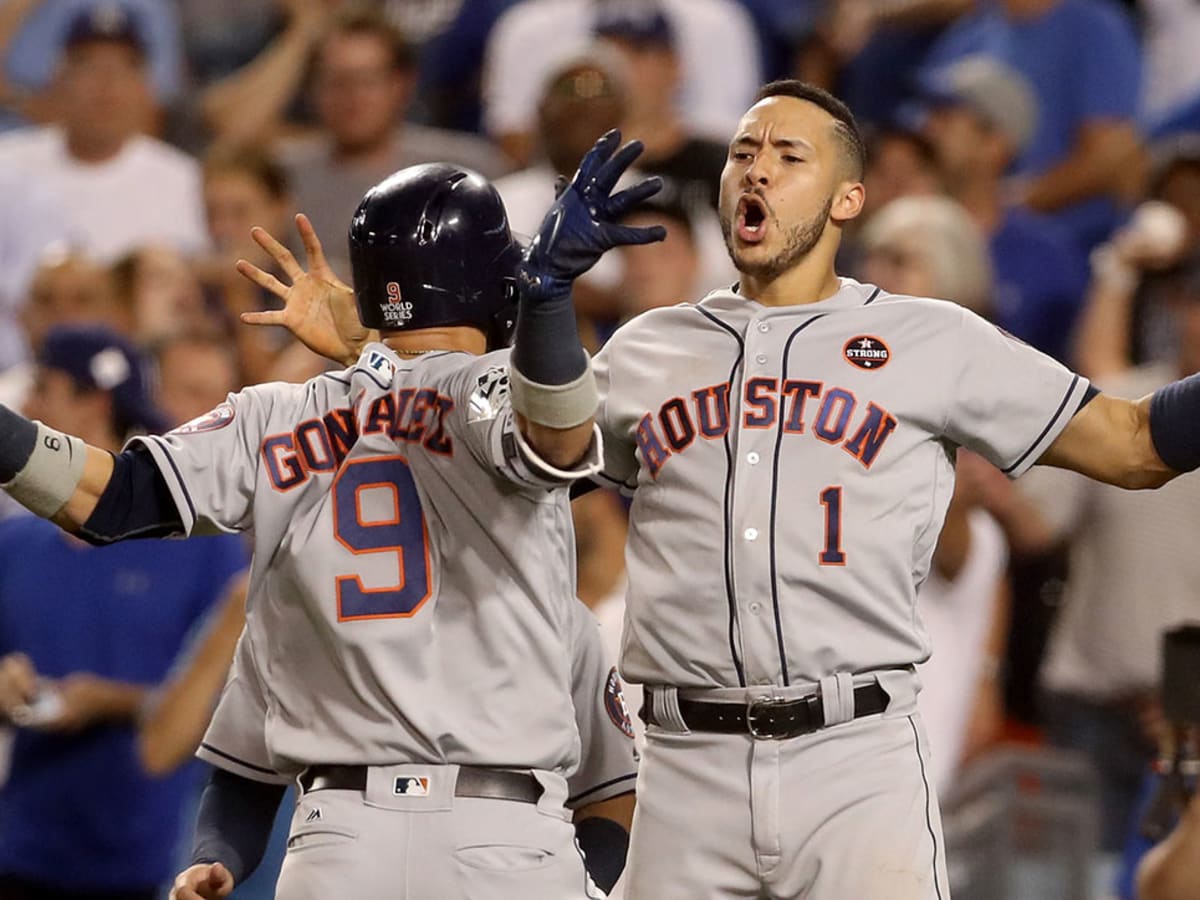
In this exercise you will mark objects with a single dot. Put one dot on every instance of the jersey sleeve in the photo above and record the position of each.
(608, 763)
(1008, 402)
(488, 424)
(619, 466)
(236, 738)
(209, 464)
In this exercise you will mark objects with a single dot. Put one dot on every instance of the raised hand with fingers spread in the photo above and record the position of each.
(319, 307)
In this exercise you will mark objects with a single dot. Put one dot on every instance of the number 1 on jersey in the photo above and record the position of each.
(831, 499)
(400, 534)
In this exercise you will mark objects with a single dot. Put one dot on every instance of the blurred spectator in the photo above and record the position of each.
(1084, 163)
(364, 78)
(782, 26)
(983, 116)
(900, 163)
(47, 29)
(1133, 575)
(32, 222)
(160, 294)
(243, 187)
(870, 54)
(665, 273)
(1170, 33)
(66, 290)
(221, 36)
(117, 187)
(1127, 318)
(85, 633)
(689, 165)
(581, 101)
(196, 372)
(717, 49)
(929, 247)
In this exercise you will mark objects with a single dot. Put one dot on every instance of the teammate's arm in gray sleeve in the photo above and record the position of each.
(553, 389)
(602, 787)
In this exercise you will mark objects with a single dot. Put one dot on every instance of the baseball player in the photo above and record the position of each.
(236, 743)
(789, 444)
(413, 563)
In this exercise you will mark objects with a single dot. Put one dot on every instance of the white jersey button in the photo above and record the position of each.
(751, 534)
(752, 458)
(761, 358)
(755, 607)
(764, 327)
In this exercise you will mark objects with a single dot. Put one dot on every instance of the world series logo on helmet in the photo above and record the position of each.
(396, 311)
(867, 352)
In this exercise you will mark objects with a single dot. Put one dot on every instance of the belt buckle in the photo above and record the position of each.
(752, 711)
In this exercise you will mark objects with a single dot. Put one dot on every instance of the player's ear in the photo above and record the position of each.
(848, 200)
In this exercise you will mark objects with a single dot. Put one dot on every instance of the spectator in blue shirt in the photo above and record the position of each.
(85, 634)
(1083, 163)
(983, 115)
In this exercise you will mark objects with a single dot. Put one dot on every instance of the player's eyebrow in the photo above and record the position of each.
(747, 140)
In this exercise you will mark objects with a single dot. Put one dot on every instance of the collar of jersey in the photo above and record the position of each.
(851, 294)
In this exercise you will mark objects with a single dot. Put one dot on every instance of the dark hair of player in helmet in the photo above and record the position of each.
(853, 150)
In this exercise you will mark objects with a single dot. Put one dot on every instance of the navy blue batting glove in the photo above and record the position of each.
(582, 223)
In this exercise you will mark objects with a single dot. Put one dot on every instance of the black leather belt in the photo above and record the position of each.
(769, 717)
(488, 784)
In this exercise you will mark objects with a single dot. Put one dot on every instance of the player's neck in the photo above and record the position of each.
(408, 344)
(812, 279)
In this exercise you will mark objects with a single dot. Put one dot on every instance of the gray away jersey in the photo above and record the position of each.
(413, 565)
(791, 470)
(236, 739)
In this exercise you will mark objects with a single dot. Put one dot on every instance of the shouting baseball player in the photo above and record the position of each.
(789, 444)
(413, 557)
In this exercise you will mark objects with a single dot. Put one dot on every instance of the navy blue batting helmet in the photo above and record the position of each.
(430, 246)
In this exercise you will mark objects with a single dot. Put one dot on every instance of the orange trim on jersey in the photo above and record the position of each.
(719, 394)
(685, 422)
(871, 435)
(305, 449)
(832, 506)
(849, 402)
(800, 391)
(771, 404)
(273, 463)
(397, 549)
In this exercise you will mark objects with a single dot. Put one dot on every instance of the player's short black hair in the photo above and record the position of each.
(845, 127)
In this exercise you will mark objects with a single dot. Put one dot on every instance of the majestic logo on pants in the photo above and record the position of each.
(411, 786)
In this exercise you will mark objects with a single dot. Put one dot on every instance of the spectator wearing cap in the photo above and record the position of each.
(118, 188)
(645, 40)
(983, 115)
(39, 41)
(78, 816)
(1084, 164)
(717, 46)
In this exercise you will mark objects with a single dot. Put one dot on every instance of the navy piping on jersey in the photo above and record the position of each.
(241, 762)
(182, 486)
(787, 349)
(345, 381)
(868, 301)
(928, 804)
(600, 787)
(1054, 418)
(729, 592)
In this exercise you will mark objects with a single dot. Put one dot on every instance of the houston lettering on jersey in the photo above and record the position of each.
(830, 414)
(408, 415)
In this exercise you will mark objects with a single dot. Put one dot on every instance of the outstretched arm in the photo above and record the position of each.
(553, 389)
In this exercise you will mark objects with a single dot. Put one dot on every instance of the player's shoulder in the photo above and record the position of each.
(658, 322)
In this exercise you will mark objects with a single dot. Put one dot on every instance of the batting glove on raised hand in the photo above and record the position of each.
(582, 223)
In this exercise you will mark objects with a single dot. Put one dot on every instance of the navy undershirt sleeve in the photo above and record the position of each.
(136, 503)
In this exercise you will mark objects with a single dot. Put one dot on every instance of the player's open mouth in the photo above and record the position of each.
(751, 219)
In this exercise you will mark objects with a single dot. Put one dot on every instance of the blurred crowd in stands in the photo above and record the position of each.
(1037, 161)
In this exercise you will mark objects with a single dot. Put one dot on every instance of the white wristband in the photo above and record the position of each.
(555, 406)
(52, 473)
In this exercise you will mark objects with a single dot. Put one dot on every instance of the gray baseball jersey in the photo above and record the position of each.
(413, 572)
(236, 740)
(792, 467)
